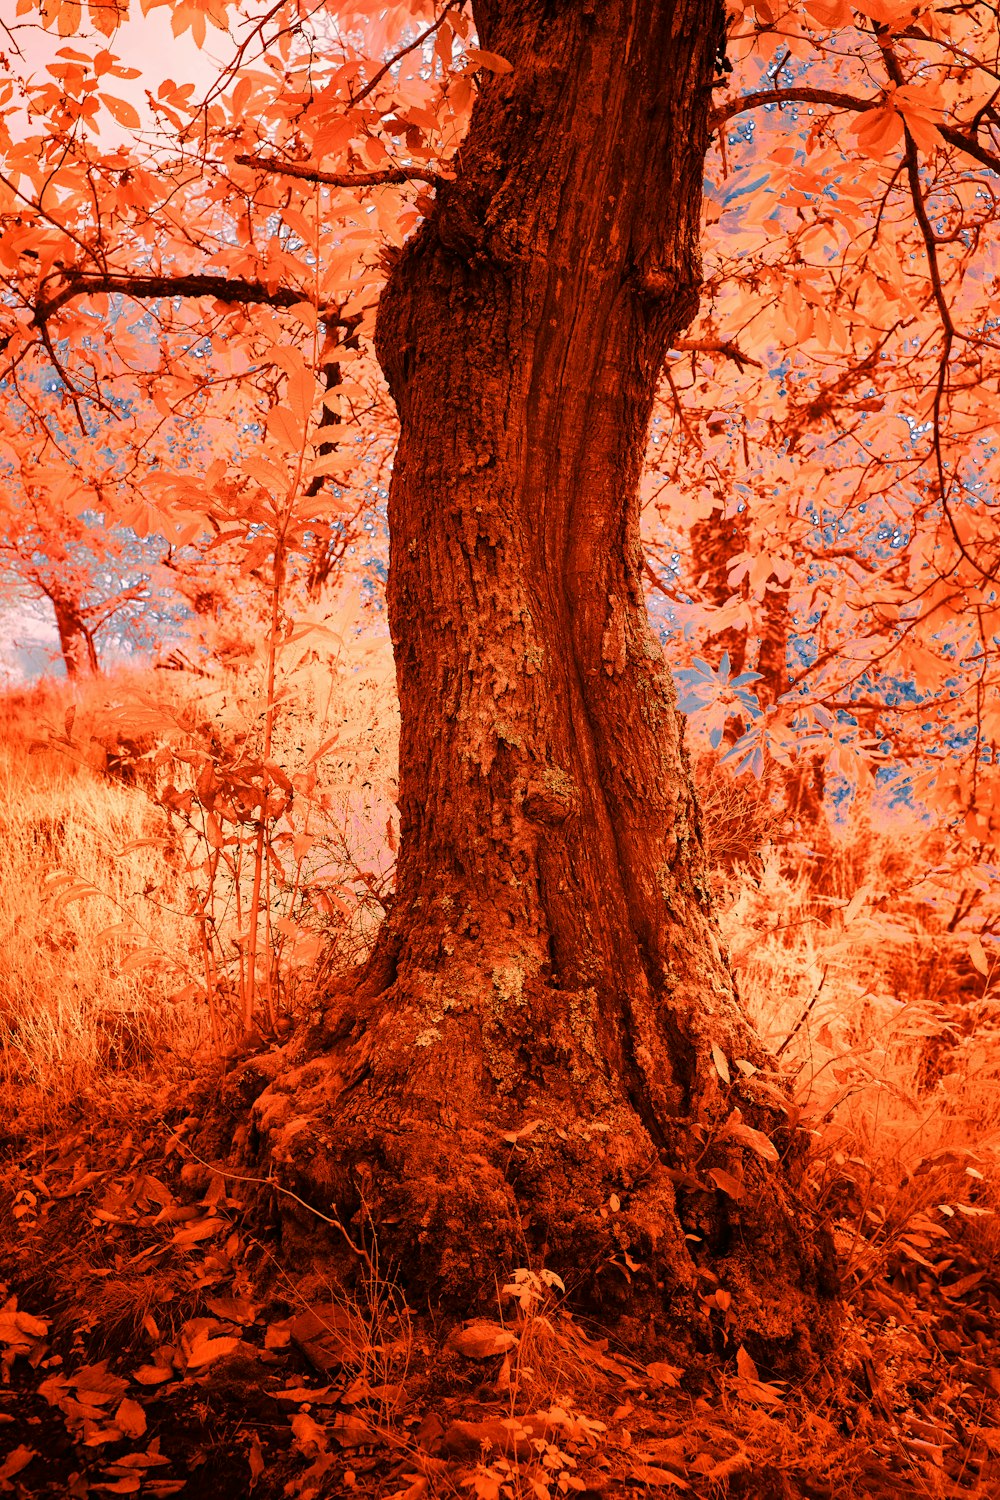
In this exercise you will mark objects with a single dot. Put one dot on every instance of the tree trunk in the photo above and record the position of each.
(803, 788)
(715, 541)
(76, 642)
(551, 966)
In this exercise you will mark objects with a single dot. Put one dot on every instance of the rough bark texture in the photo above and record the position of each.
(551, 965)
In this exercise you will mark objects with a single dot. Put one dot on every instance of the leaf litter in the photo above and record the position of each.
(149, 1355)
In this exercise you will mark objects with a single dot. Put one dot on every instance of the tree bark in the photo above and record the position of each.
(76, 642)
(551, 965)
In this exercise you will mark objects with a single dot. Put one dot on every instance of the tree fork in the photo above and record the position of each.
(535, 1038)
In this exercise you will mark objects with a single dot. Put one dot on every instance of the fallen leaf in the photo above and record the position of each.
(19, 1458)
(481, 1339)
(351, 1432)
(327, 1335)
(468, 1439)
(255, 1459)
(657, 1478)
(232, 1309)
(152, 1374)
(204, 1350)
(131, 1418)
(96, 1386)
(310, 1437)
(201, 1229)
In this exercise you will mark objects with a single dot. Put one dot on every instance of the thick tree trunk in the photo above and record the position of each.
(551, 965)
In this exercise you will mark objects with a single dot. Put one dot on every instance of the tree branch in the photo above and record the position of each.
(801, 94)
(342, 179)
(726, 347)
(795, 94)
(403, 52)
(222, 288)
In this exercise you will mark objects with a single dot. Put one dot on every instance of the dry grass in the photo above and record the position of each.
(103, 965)
(71, 1008)
(856, 974)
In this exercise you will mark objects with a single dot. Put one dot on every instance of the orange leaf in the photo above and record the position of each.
(491, 60)
(978, 954)
(126, 114)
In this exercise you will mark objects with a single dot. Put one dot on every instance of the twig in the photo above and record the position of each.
(803, 1018)
(403, 52)
(727, 347)
(272, 1182)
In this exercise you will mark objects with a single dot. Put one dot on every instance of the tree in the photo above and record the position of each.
(550, 957)
(545, 1055)
(94, 578)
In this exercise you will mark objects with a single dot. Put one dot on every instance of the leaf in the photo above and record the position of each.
(232, 1309)
(490, 60)
(310, 1436)
(481, 1339)
(745, 1135)
(351, 1431)
(721, 1065)
(199, 1229)
(255, 1459)
(205, 1350)
(96, 1385)
(153, 1374)
(657, 1478)
(126, 114)
(131, 1418)
(745, 1365)
(17, 1459)
(978, 955)
(287, 428)
(726, 1182)
(19, 1327)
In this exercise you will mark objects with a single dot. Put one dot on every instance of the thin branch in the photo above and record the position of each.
(802, 94)
(727, 347)
(342, 179)
(794, 94)
(50, 349)
(403, 52)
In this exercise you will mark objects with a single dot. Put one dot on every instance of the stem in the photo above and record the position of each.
(260, 847)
